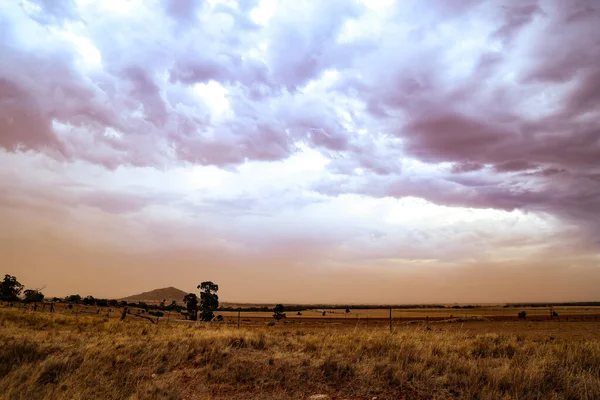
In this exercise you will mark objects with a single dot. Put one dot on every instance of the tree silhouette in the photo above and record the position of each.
(33, 296)
(209, 300)
(10, 288)
(74, 298)
(278, 312)
(191, 304)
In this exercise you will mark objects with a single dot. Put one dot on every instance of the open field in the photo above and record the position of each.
(360, 317)
(50, 356)
(434, 313)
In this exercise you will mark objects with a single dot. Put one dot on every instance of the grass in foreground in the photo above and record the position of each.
(54, 357)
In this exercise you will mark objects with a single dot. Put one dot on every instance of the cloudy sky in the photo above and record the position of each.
(302, 151)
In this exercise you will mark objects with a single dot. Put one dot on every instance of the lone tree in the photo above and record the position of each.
(209, 300)
(33, 296)
(191, 304)
(10, 288)
(278, 312)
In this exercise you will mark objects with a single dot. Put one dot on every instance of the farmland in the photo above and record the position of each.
(354, 317)
(95, 355)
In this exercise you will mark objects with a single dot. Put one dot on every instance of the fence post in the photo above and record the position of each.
(390, 320)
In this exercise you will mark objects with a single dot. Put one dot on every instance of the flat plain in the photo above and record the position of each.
(93, 355)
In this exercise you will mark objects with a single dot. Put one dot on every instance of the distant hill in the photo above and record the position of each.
(157, 295)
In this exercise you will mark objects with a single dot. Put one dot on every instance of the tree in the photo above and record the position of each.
(74, 298)
(89, 301)
(10, 288)
(33, 296)
(209, 300)
(102, 302)
(278, 312)
(191, 304)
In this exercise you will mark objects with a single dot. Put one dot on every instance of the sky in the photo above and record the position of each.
(337, 151)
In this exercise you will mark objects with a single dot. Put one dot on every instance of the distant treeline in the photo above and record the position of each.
(92, 301)
(304, 307)
(173, 306)
(572, 304)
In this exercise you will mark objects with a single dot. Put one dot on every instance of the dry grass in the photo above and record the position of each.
(56, 356)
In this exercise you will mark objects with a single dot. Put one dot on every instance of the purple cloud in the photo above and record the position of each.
(501, 101)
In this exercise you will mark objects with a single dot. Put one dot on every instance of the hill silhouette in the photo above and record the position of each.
(157, 295)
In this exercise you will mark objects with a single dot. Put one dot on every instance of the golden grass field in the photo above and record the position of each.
(60, 356)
